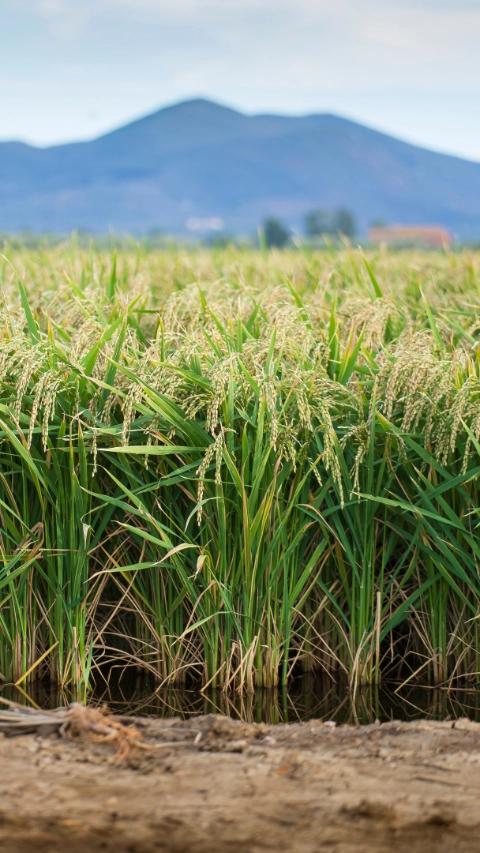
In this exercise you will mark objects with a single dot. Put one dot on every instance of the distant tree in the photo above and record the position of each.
(318, 222)
(276, 234)
(378, 223)
(345, 222)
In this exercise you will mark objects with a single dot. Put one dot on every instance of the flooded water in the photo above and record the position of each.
(306, 698)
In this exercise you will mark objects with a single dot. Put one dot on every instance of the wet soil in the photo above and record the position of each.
(213, 785)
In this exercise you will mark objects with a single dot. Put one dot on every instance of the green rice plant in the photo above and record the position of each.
(233, 466)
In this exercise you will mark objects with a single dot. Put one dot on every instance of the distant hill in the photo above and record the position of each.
(198, 160)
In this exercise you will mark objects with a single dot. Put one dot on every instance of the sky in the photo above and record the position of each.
(74, 69)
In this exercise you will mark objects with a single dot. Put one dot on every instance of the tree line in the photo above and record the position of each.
(317, 223)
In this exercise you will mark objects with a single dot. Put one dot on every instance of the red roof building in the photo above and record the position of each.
(431, 236)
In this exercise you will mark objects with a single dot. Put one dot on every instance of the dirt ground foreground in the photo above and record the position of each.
(212, 785)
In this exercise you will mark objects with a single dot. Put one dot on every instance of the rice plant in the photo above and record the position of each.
(229, 467)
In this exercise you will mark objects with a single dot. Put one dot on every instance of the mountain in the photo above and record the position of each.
(198, 160)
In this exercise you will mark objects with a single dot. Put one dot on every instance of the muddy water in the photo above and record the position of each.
(306, 699)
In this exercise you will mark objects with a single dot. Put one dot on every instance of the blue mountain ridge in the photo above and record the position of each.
(198, 159)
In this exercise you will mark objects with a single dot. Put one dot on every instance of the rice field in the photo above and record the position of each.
(228, 467)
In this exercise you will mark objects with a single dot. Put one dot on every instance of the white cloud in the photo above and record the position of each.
(424, 43)
(65, 18)
(429, 43)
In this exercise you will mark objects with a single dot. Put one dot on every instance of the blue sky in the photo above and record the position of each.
(72, 69)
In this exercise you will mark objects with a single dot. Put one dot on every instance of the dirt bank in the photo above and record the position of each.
(211, 785)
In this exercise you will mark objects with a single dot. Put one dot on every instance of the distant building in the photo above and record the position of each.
(431, 236)
(211, 223)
